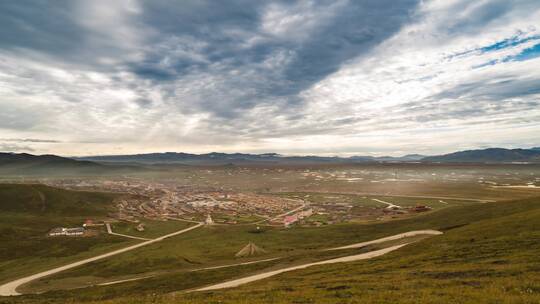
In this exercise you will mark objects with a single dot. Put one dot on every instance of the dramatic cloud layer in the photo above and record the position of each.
(323, 77)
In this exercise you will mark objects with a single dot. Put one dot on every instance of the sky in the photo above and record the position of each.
(358, 77)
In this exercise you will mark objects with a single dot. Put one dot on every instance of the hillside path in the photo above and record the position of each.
(260, 276)
(109, 231)
(389, 205)
(351, 258)
(389, 238)
(10, 288)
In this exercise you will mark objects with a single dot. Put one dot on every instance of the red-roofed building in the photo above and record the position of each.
(289, 220)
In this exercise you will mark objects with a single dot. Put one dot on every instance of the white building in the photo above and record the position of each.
(61, 231)
(209, 220)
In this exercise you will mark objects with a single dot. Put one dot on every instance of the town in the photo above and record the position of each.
(166, 200)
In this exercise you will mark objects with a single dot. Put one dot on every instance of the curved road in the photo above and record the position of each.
(389, 205)
(400, 195)
(109, 231)
(351, 258)
(238, 282)
(193, 270)
(389, 238)
(10, 288)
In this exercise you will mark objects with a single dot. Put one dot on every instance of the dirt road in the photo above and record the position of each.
(351, 258)
(402, 195)
(238, 282)
(109, 231)
(10, 288)
(193, 270)
(233, 265)
(388, 205)
(389, 238)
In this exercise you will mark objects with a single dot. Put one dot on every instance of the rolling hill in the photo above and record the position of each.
(492, 259)
(492, 155)
(28, 164)
(29, 211)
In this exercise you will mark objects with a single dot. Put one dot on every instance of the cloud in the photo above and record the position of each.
(15, 148)
(31, 140)
(254, 76)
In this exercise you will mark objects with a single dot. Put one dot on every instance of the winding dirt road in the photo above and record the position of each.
(389, 238)
(109, 231)
(388, 205)
(351, 258)
(10, 288)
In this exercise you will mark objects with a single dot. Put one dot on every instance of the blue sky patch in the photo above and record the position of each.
(527, 54)
(506, 43)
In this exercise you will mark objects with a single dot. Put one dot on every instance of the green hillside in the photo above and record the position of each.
(491, 256)
(23, 164)
(44, 200)
(28, 212)
(490, 261)
(488, 251)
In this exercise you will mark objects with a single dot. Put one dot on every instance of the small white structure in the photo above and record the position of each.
(209, 220)
(140, 227)
(61, 231)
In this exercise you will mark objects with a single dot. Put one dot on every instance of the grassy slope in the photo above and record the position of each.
(492, 260)
(44, 200)
(218, 244)
(489, 252)
(152, 228)
(27, 212)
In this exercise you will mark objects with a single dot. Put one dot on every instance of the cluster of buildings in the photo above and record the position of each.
(192, 203)
(85, 230)
(164, 198)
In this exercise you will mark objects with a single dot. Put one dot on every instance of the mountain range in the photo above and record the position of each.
(23, 163)
(491, 155)
(28, 164)
(241, 158)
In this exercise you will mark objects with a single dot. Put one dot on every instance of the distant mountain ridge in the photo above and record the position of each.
(24, 163)
(28, 164)
(216, 158)
(490, 155)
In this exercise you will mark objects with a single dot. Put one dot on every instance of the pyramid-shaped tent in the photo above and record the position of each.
(249, 250)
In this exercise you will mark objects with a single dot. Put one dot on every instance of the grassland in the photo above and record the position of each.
(488, 252)
(492, 260)
(28, 212)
